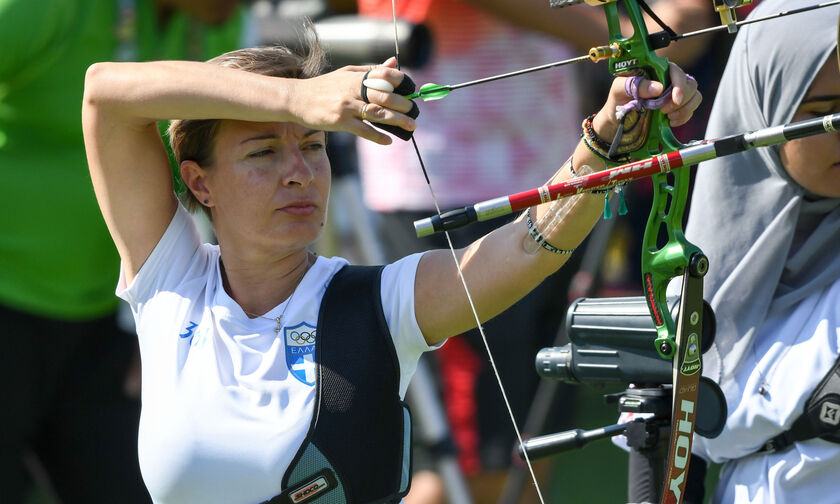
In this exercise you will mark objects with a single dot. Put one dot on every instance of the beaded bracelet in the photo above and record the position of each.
(540, 239)
(590, 131)
(602, 155)
(598, 146)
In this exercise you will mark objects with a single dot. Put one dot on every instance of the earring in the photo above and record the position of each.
(206, 201)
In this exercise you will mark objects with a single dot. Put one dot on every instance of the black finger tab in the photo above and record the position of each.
(406, 86)
(364, 88)
(396, 130)
(415, 110)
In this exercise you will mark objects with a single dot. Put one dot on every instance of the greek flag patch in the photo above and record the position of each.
(300, 352)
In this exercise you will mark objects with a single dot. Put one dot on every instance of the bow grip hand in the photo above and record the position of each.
(677, 102)
(633, 55)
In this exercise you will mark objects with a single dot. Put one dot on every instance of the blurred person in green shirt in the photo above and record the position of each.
(66, 367)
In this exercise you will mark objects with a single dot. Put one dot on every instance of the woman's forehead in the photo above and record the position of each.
(826, 83)
(238, 132)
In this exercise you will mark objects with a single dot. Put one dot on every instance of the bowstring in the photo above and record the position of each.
(464, 282)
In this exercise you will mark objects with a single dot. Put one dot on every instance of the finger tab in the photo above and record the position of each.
(378, 84)
(415, 110)
(406, 86)
(364, 88)
(395, 130)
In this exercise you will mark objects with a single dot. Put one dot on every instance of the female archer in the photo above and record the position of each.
(268, 372)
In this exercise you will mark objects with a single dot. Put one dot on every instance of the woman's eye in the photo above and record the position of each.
(261, 153)
(823, 109)
(317, 146)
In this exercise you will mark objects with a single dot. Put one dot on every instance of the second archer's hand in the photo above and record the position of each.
(679, 106)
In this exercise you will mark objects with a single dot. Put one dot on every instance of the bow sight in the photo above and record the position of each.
(726, 9)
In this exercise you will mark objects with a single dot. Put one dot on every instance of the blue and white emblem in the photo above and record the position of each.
(300, 352)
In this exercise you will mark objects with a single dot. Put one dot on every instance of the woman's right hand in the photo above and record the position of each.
(333, 102)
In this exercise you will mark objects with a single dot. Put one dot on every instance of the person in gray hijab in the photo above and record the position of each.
(769, 221)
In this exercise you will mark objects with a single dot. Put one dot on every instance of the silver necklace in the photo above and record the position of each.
(279, 319)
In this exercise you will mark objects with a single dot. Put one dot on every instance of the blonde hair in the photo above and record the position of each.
(193, 140)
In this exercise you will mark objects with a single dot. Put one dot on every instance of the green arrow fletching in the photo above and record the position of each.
(430, 92)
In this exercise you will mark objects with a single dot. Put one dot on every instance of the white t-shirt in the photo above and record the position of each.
(226, 400)
(792, 354)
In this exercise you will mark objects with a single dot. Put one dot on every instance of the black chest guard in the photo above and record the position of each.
(358, 448)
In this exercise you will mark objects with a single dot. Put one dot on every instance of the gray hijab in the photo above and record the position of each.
(770, 243)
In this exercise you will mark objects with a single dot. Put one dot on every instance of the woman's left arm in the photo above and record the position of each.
(497, 268)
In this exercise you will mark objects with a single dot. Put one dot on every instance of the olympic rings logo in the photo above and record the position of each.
(303, 337)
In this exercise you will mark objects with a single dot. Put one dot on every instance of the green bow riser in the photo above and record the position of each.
(660, 261)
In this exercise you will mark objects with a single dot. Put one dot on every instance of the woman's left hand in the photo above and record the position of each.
(679, 105)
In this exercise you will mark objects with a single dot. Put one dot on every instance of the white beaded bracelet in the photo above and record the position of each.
(540, 239)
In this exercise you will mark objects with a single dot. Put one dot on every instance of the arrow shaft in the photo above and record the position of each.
(524, 71)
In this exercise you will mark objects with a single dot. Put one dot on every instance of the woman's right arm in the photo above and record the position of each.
(128, 163)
